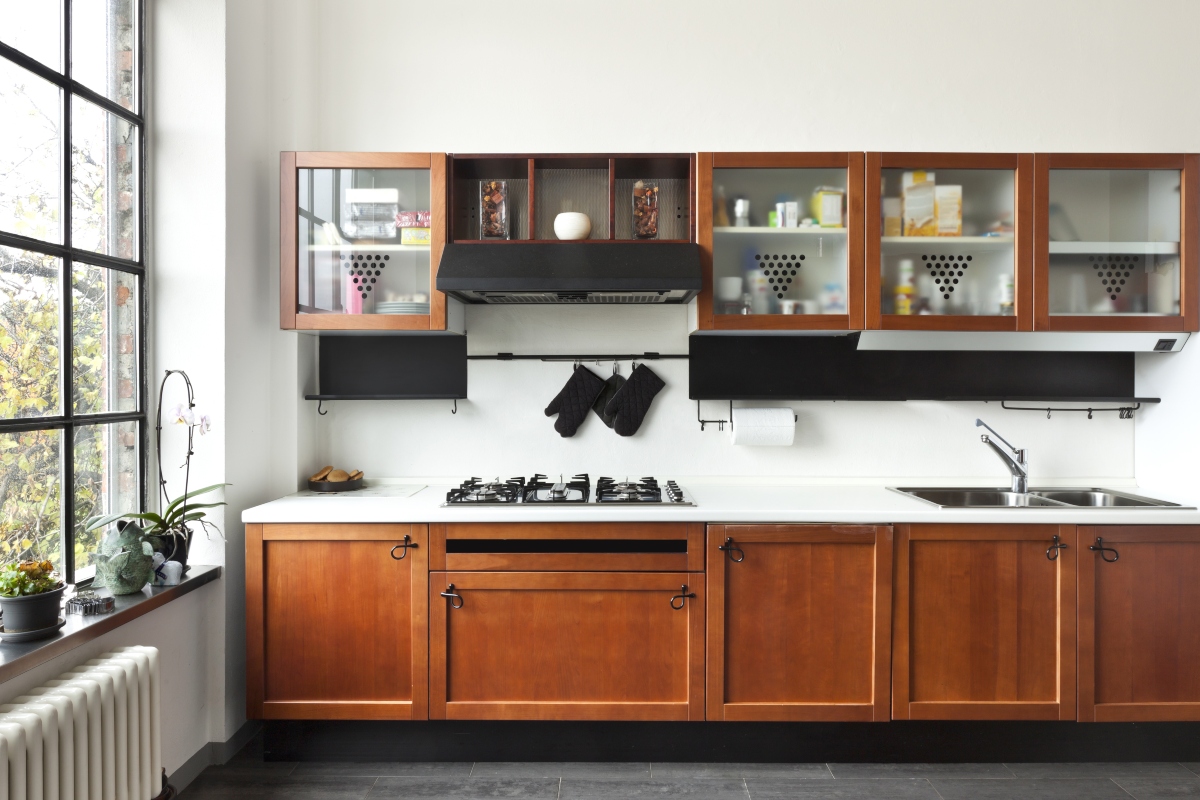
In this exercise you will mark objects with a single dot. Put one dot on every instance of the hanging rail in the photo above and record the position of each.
(1124, 411)
(647, 356)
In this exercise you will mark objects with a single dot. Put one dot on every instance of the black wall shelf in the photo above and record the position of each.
(427, 367)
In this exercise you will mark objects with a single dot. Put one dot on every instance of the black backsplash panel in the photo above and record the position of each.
(755, 367)
(415, 366)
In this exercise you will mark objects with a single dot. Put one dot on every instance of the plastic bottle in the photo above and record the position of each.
(905, 292)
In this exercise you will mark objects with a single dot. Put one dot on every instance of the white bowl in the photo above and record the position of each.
(572, 225)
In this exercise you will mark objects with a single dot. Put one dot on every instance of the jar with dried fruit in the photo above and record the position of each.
(645, 210)
(493, 210)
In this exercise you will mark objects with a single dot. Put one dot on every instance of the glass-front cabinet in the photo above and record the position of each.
(949, 245)
(360, 240)
(782, 237)
(1113, 247)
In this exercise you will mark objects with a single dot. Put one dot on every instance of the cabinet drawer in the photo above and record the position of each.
(568, 547)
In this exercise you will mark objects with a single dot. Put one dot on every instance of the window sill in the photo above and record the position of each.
(18, 658)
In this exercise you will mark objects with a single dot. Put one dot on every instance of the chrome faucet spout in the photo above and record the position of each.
(1017, 463)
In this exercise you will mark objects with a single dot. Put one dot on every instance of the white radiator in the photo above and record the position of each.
(93, 734)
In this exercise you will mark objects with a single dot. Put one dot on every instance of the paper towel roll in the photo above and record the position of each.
(763, 426)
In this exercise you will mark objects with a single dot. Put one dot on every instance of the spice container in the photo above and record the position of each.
(493, 210)
(645, 210)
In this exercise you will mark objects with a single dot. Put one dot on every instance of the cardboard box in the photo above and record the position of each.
(416, 236)
(920, 203)
(948, 200)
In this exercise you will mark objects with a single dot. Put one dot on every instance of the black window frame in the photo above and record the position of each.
(68, 421)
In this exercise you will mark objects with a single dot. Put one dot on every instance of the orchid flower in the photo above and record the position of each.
(182, 415)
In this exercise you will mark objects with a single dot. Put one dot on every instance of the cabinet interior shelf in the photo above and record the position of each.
(780, 231)
(925, 242)
(331, 248)
(1113, 248)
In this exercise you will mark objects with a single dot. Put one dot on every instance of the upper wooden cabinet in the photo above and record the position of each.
(949, 241)
(360, 238)
(1117, 239)
(781, 238)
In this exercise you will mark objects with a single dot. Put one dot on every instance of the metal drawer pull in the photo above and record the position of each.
(730, 548)
(403, 548)
(456, 600)
(1052, 550)
(682, 597)
(1101, 549)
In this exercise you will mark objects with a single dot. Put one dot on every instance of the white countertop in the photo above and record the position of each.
(715, 503)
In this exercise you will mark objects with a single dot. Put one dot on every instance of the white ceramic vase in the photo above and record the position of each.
(572, 225)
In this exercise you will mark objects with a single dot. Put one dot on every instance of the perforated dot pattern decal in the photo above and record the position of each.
(365, 269)
(1113, 271)
(947, 271)
(782, 271)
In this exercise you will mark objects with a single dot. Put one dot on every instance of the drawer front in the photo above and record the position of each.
(567, 547)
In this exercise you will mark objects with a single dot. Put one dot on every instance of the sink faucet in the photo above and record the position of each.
(1019, 466)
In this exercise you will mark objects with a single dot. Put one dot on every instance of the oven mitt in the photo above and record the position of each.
(611, 386)
(575, 400)
(631, 402)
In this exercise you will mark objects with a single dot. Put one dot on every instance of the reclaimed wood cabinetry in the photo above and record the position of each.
(336, 621)
(1139, 624)
(799, 622)
(984, 622)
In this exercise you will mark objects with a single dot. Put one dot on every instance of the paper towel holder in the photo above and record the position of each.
(721, 423)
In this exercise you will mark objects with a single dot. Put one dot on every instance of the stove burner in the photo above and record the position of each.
(473, 490)
(539, 489)
(644, 491)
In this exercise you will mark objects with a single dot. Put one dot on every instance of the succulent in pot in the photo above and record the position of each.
(30, 595)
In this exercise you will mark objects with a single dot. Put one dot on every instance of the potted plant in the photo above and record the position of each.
(30, 594)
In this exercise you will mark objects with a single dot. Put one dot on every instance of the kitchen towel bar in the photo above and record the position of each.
(648, 356)
(1125, 411)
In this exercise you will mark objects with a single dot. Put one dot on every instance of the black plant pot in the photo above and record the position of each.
(31, 612)
(182, 546)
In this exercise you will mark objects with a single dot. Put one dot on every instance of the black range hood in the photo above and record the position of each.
(546, 273)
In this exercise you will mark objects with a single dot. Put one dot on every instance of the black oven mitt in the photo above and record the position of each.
(630, 404)
(575, 400)
(611, 387)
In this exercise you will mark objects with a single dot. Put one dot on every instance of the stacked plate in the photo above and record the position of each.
(396, 307)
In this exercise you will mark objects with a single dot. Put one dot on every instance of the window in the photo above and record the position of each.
(72, 277)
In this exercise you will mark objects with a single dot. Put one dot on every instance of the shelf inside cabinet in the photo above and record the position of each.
(330, 248)
(759, 229)
(924, 242)
(1114, 248)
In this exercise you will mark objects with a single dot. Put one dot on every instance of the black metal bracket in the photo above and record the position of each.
(647, 356)
(730, 548)
(456, 600)
(720, 423)
(455, 409)
(682, 597)
(1099, 547)
(1053, 550)
(403, 548)
(1123, 412)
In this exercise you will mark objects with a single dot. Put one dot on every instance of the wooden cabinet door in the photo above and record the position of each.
(336, 621)
(799, 622)
(1139, 624)
(984, 622)
(566, 646)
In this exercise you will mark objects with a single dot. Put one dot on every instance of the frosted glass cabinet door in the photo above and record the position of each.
(1113, 245)
(784, 242)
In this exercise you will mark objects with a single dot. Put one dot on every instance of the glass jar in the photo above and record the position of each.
(645, 210)
(493, 210)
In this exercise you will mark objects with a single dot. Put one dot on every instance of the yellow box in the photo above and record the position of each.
(948, 201)
(415, 236)
(920, 205)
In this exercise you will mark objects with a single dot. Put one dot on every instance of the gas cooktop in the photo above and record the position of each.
(578, 490)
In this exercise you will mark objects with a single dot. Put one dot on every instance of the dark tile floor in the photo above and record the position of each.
(247, 777)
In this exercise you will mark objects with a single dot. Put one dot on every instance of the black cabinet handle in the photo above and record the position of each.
(1099, 547)
(403, 548)
(730, 548)
(682, 597)
(456, 600)
(1052, 550)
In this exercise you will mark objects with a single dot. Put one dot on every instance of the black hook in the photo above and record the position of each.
(681, 597)
(1101, 549)
(730, 548)
(450, 593)
(319, 411)
(455, 409)
(403, 548)
(1052, 550)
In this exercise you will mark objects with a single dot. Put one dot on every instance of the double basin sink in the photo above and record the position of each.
(1034, 498)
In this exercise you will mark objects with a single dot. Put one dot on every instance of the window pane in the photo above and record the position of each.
(106, 480)
(103, 205)
(29, 334)
(104, 339)
(35, 28)
(30, 491)
(103, 39)
(30, 154)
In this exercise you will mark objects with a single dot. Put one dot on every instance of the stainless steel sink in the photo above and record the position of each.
(1034, 498)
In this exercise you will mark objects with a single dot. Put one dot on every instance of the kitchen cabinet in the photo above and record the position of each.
(567, 621)
(949, 241)
(1116, 242)
(360, 239)
(781, 241)
(799, 622)
(984, 622)
(1139, 624)
(336, 621)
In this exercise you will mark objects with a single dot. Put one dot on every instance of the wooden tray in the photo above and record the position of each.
(336, 486)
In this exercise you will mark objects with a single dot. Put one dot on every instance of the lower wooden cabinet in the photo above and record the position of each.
(1139, 624)
(566, 645)
(336, 621)
(799, 622)
(984, 622)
